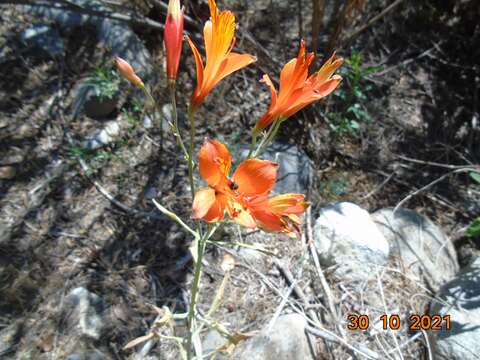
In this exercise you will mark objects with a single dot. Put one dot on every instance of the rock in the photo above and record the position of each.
(105, 136)
(460, 298)
(345, 235)
(285, 341)
(419, 244)
(147, 122)
(295, 167)
(88, 99)
(7, 172)
(83, 311)
(3, 123)
(44, 37)
(89, 355)
(115, 35)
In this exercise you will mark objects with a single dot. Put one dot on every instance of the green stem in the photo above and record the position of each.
(191, 119)
(202, 243)
(174, 125)
(253, 144)
(268, 137)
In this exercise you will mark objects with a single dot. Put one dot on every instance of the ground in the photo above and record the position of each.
(58, 231)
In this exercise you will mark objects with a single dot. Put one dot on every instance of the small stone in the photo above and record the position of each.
(3, 123)
(89, 99)
(83, 310)
(460, 299)
(346, 236)
(89, 355)
(7, 172)
(105, 136)
(285, 341)
(421, 245)
(147, 122)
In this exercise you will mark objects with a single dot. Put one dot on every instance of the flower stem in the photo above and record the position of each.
(253, 144)
(202, 243)
(191, 119)
(268, 138)
(174, 125)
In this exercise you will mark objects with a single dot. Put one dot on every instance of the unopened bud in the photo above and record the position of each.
(127, 72)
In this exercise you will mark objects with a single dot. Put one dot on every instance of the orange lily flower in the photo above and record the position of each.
(297, 89)
(252, 177)
(219, 39)
(244, 197)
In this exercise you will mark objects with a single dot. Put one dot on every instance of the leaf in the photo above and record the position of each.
(475, 176)
(138, 341)
(474, 228)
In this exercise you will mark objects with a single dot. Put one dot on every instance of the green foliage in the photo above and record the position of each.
(105, 81)
(133, 113)
(474, 228)
(351, 111)
(475, 176)
(336, 186)
(95, 159)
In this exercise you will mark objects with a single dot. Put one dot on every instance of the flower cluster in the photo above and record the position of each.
(245, 196)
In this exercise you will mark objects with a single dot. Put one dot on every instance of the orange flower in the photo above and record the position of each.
(127, 72)
(219, 39)
(279, 213)
(297, 89)
(172, 37)
(245, 196)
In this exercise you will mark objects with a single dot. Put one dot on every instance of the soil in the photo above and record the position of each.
(58, 232)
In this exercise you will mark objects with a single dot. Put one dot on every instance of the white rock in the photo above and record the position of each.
(285, 341)
(461, 300)
(346, 236)
(105, 136)
(421, 245)
(83, 309)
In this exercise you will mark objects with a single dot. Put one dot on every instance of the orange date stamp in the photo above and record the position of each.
(394, 322)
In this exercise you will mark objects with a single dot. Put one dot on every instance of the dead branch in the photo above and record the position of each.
(373, 20)
(66, 5)
(429, 185)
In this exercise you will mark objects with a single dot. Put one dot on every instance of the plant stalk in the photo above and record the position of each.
(191, 119)
(174, 125)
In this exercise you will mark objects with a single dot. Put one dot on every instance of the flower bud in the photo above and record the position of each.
(172, 38)
(127, 72)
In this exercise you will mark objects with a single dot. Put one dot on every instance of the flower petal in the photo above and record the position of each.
(234, 62)
(217, 210)
(244, 218)
(330, 85)
(197, 98)
(203, 201)
(214, 163)
(208, 37)
(327, 69)
(286, 204)
(255, 177)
